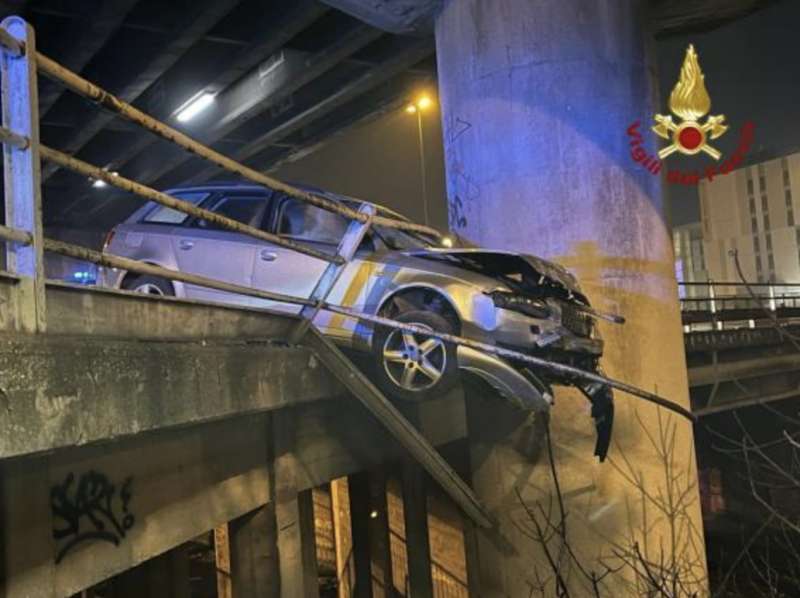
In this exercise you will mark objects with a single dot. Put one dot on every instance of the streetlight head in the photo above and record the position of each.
(424, 102)
(411, 108)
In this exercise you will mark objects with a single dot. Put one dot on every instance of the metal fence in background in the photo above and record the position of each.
(735, 304)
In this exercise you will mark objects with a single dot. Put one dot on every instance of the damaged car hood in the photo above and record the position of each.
(528, 268)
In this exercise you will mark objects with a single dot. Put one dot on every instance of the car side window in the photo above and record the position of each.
(301, 221)
(165, 215)
(247, 209)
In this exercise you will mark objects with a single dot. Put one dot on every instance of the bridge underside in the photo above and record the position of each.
(137, 425)
(734, 368)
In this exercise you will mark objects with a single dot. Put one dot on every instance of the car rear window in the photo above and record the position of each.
(165, 215)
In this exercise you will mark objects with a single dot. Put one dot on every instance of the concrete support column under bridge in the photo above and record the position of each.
(536, 97)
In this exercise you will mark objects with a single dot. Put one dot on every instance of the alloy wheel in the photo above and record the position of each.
(414, 362)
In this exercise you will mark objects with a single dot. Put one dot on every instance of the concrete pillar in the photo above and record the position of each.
(415, 514)
(536, 98)
(222, 558)
(164, 576)
(26, 534)
(294, 515)
(380, 547)
(358, 487)
(254, 555)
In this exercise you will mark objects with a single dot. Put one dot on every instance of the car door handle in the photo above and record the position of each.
(268, 256)
(184, 244)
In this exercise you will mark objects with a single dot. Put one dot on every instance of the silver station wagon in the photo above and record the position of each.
(515, 301)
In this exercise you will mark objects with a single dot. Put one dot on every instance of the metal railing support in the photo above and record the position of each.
(23, 198)
(356, 231)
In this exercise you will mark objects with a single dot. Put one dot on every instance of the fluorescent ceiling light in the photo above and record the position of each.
(100, 183)
(194, 106)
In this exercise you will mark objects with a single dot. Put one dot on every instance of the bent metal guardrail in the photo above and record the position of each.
(23, 230)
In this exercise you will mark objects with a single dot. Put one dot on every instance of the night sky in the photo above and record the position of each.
(751, 73)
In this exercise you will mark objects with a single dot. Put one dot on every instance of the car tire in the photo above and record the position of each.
(405, 368)
(149, 285)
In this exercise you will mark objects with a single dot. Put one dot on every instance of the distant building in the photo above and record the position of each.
(753, 210)
(690, 264)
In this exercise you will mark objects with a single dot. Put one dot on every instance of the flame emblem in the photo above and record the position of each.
(690, 102)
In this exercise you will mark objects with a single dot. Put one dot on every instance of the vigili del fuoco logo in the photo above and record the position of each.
(687, 133)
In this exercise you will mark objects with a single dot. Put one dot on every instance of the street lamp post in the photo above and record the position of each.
(423, 103)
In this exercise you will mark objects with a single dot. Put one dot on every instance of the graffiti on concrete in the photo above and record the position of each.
(91, 509)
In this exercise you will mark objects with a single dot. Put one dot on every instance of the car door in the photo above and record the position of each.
(283, 270)
(286, 271)
(209, 250)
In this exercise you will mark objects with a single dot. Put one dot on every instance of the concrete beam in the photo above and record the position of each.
(192, 26)
(182, 484)
(276, 79)
(397, 16)
(274, 33)
(60, 391)
(362, 84)
(77, 44)
(745, 368)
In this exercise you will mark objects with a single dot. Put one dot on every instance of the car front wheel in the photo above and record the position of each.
(415, 366)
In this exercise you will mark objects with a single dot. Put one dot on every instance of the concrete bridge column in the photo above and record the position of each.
(164, 576)
(536, 98)
(294, 514)
(379, 536)
(254, 554)
(415, 515)
(358, 489)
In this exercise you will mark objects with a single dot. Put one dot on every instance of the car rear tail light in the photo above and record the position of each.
(109, 237)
